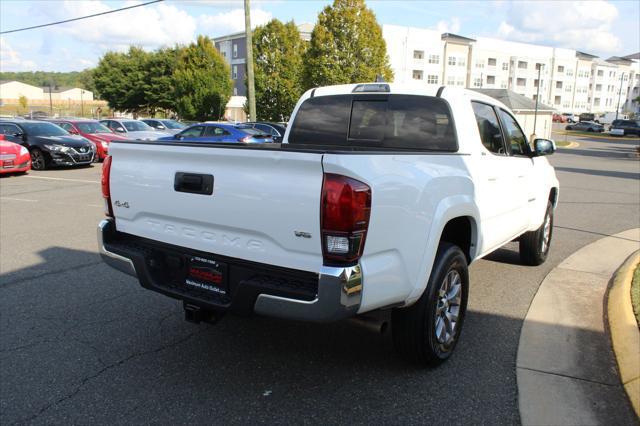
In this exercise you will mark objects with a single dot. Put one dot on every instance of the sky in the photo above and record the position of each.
(604, 28)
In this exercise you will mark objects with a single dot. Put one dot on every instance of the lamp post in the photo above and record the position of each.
(535, 114)
(250, 81)
(81, 103)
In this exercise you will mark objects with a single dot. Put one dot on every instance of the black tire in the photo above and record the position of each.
(414, 329)
(38, 160)
(590, 129)
(532, 250)
(568, 128)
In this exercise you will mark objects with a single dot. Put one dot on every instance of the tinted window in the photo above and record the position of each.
(9, 129)
(370, 121)
(514, 136)
(172, 124)
(44, 129)
(268, 130)
(192, 132)
(65, 126)
(136, 126)
(92, 127)
(214, 131)
(489, 127)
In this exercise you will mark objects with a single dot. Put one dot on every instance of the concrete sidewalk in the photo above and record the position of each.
(566, 369)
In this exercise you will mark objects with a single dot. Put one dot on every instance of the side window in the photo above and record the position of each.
(212, 131)
(267, 129)
(489, 127)
(8, 129)
(515, 137)
(65, 126)
(192, 132)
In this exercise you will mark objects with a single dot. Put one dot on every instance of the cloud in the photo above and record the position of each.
(231, 21)
(149, 26)
(450, 26)
(582, 25)
(11, 60)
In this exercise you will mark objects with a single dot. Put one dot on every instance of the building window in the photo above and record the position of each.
(491, 62)
(477, 82)
(460, 82)
(505, 66)
(522, 65)
(598, 87)
(600, 73)
(625, 77)
(480, 64)
(566, 105)
(568, 88)
(234, 74)
(235, 50)
(569, 73)
(535, 83)
(521, 82)
(432, 79)
(418, 54)
(491, 79)
(560, 68)
(434, 59)
(417, 74)
(235, 91)
(452, 60)
(451, 81)
(558, 85)
(534, 97)
(503, 84)
(224, 55)
(462, 62)
(538, 66)
(596, 101)
(557, 100)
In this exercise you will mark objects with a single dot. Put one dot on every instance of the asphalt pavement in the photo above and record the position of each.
(82, 343)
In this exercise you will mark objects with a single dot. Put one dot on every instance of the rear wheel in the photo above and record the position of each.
(428, 331)
(38, 160)
(534, 245)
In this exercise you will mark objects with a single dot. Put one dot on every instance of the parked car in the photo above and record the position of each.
(165, 125)
(378, 199)
(276, 130)
(571, 118)
(586, 126)
(133, 129)
(93, 130)
(625, 127)
(14, 158)
(586, 116)
(221, 133)
(48, 144)
(559, 118)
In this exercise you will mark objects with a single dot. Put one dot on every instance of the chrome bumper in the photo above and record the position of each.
(339, 289)
(114, 260)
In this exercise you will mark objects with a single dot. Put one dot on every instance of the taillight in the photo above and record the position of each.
(344, 220)
(106, 187)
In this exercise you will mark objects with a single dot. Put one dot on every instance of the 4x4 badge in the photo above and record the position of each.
(302, 234)
(124, 204)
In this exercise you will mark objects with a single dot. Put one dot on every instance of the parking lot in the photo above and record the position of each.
(80, 342)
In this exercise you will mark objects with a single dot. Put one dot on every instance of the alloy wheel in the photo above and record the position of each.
(448, 309)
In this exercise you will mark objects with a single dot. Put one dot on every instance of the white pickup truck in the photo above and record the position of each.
(378, 198)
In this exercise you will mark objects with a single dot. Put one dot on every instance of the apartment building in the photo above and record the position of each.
(568, 80)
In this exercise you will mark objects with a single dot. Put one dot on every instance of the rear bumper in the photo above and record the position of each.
(331, 294)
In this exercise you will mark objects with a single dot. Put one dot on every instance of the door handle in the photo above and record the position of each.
(193, 183)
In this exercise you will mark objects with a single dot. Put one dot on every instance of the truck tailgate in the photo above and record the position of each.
(264, 206)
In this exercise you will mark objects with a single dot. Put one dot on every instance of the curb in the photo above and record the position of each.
(625, 334)
(566, 369)
(571, 145)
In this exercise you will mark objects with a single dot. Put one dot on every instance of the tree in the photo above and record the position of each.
(23, 102)
(121, 79)
(159, 88)
(278, 51)
(202, 81)
(346, 46)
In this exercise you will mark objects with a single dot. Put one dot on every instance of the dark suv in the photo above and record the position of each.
(628, 127)
(48, 144)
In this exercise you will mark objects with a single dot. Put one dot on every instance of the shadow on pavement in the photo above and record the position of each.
(608, 173)
(88, 345)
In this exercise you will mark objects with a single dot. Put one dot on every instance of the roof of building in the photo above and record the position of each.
(455, 37)
(619, 59)
(585, 55)
(632, 56)
(513, 100)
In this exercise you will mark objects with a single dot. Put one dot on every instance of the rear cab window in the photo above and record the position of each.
(375, 121)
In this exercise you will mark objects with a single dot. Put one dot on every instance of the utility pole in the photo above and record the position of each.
(251, 91)
(619, 93)
(535, 115)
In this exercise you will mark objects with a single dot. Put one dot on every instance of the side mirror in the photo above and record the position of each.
(160, 127)
(120, 129)
(73, 131)
(543, 147)
(178, 136)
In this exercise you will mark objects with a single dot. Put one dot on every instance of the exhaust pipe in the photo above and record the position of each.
(377, 325)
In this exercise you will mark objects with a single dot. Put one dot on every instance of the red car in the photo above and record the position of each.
(93, 130)
(559, 118)
(14, 158)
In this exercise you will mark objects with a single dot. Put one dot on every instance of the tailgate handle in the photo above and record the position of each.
(193, 183)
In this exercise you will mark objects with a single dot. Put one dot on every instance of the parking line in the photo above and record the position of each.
(18, 199)
(63, 179)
